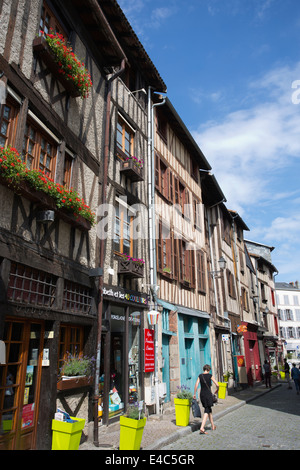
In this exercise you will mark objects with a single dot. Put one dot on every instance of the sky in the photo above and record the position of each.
(232, 70)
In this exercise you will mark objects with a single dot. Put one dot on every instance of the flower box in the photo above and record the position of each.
(130, 268)
(133, 171)
(68, 383)
(44, 52)
(76, 221)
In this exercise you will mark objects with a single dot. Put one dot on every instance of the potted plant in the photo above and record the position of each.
(132, 427)
(77, 371)
(183, 403)
(133, 267)
(133, 168)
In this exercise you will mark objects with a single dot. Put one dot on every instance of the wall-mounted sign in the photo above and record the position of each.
(241, 329)
(240, 361)
(122, 295)
(149, 351)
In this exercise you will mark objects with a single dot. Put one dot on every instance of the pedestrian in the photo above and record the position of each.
(206, 396)
(295, 374)
(287, 373)
(267, 372)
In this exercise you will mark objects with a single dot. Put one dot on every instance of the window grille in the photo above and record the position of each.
(31, 286)
(77, 298)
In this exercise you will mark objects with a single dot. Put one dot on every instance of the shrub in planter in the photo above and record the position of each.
(131, 428)
(183, 403)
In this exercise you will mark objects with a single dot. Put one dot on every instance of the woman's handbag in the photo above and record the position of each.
(214, 398)
(196, 409)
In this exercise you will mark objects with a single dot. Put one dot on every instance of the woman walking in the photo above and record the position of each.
(206, 397)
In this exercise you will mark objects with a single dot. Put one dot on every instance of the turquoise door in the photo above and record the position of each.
(189, 363)
(166, 364)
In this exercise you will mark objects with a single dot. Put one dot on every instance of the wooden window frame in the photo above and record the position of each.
(12, 120)
(164, 252)
(120, 217)
(69, 345)
(201, 271)
(77, 298)
(196, 214)
(124, 133)
(187, 265)
(33, 149)
(53, 24)
(230, 284)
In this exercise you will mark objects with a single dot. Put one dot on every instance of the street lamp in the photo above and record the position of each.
(222, 264)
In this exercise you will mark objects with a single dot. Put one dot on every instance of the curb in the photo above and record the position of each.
(194, 427)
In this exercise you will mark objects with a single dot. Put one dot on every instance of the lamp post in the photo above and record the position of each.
(222, 263)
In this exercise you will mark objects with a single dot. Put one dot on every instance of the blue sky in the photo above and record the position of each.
(230, 67)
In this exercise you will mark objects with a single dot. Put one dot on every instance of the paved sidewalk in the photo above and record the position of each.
(162, 430)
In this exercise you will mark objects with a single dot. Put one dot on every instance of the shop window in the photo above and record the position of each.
(77, 298)
(39, 150)
(31, 286)
(8, 123)
(70, 342)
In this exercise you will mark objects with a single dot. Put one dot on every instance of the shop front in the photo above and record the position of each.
(253, 363)
(122, 361)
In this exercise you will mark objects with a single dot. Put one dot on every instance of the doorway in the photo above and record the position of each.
(20, 380)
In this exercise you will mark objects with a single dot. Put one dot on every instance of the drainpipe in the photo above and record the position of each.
(152, 234)
(102, 248)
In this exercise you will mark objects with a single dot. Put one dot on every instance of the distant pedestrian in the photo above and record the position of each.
(295, 373)
(206, 396)
(287, 373)
(267, 372)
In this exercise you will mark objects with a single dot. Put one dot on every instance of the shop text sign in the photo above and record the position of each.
(149, 351)
(122, 295)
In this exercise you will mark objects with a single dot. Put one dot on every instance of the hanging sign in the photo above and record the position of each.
(149, 351)
(242, 328)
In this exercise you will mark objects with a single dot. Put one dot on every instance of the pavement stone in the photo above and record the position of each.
(162, 430)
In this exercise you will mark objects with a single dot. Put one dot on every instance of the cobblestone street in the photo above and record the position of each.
(271, 422)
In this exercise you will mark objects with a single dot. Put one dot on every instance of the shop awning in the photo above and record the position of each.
(167, 305)
(191, 312)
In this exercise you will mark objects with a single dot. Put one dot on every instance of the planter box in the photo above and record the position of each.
(74, 382)
(43, 51)
(132, 171)
(222, 390)
(44, 201)
(131, 433)
(75, 220)
(66, 436)
(130, 268)
(182, 411)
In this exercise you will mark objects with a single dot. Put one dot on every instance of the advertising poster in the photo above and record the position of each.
(149, 351)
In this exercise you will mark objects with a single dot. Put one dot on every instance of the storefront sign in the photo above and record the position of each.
(149, 351)
(122, 295)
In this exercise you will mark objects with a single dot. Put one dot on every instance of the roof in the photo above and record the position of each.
(182, 132)
(238, 219)
(212, 194)
(113, 38)
(287, 286)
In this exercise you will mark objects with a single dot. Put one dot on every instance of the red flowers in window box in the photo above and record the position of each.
(68, 66)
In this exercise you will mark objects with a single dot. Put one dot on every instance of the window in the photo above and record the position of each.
(8, 122)
(30, 286)
(70, 342)
(242, 264)
(226, 230)
(230, 284)
(77, 298)
(162, 177)
(125, 139)
(187, 264)
(39, 150)
(197, 214)
(49, 21)
(68, 164)
(244, 299)
(161, 124)
(201, 284)
(164, 251)
(290, 332)
(123, 241)
(296, 300)
(289, 315)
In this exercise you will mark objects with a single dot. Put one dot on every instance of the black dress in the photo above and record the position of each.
(205, 392)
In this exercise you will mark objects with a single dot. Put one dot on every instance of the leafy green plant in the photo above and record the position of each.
(133, 412)
(183, 393)
(70, 66)
(78, 365)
